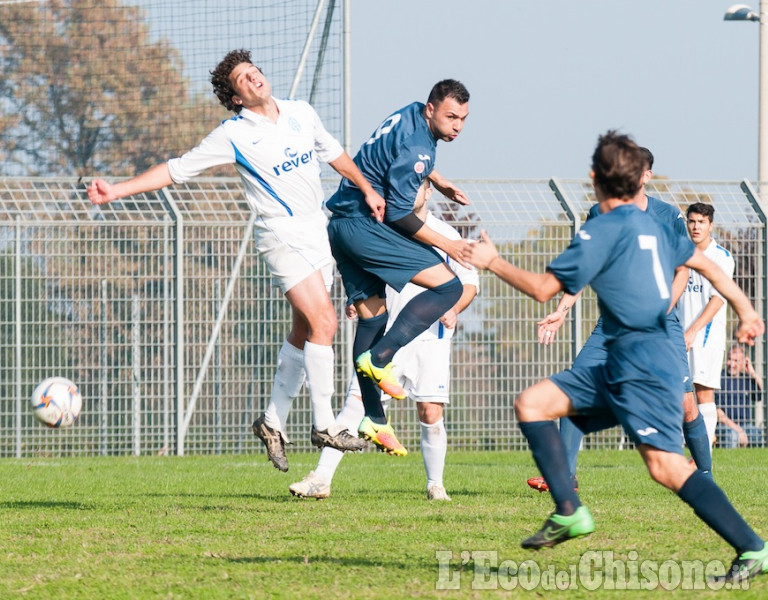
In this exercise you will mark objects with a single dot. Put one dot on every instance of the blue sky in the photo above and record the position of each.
(546, 77)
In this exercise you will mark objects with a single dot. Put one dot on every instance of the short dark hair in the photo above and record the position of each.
(648, 157)
(618, 164)
(448, 88)
(700, 208)
(222, 87)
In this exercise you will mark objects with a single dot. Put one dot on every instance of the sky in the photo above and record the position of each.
(546, 77)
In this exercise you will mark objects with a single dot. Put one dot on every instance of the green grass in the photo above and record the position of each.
(226, 527)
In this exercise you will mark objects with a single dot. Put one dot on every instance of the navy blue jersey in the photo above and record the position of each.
(661, 211)
(395, 160)
(629, 259)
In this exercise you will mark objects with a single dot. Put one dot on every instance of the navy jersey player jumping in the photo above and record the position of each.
(628, 258)
(396, 159)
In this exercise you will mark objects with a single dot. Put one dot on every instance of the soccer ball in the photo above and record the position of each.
(57, 402)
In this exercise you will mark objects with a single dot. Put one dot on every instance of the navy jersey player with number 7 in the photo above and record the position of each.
(629, 260)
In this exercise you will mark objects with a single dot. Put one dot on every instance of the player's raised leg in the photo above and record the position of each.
(443, 291)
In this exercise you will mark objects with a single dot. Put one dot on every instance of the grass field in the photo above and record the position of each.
(226, 527)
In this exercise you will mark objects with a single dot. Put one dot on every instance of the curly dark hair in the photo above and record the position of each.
(220, 77)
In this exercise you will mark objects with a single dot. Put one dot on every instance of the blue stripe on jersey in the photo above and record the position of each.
(706, 333)
(719, 247)
(241, 160)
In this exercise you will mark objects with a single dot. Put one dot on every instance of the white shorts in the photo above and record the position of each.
(706, 365)
(423, 369)
(295, 247)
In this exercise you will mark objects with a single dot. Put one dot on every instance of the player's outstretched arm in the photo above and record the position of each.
(539, 286)
(101, 192)
(750, 323)
(346, 167)
(447, 189)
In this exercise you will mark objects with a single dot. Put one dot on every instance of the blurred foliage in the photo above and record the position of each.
(117, 104)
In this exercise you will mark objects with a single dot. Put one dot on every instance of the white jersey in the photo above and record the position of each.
(278, 162)
(696, 296)
(396, 302)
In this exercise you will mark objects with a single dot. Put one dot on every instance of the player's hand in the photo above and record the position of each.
(458, 250)
(100, 192)
(548, 327)
(689, 336)
(482, 253)
(456, 195)
(749, 328)
(377, 204)
(449, 319)
(350, 311)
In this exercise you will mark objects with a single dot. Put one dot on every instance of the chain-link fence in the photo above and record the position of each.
(158, 307)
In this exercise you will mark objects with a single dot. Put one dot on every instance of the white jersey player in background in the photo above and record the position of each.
(702, 312)
(275, 146)
(423, 369)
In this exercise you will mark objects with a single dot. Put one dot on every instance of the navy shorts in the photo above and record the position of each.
(675, 330)
(370, 255)
(594, 353)
(640, 385)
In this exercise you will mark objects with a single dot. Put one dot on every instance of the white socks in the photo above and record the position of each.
(318, 364)
(708, 412)
(348, 418)
(434, 444)
(289, 377)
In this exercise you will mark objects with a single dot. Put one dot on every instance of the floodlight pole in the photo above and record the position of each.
(762, 143)
(742, 12)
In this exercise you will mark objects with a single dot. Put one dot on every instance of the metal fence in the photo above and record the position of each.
(160, 310)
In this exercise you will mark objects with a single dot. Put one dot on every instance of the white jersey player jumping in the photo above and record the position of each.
(276, 146)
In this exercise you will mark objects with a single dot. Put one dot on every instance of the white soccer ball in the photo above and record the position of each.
(57, 402)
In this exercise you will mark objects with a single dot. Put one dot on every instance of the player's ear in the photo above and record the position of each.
(647, 176)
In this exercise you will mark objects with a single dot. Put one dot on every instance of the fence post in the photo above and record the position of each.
(761, 288)
(17, 342)
(577, 314)
(103, 370)
(166, 336)
(136, 364)
(172, 207)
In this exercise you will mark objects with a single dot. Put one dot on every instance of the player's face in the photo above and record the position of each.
(446, 120)
(251, 87)
(699, 228)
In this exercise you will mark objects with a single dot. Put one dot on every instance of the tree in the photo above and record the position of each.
(85, 90)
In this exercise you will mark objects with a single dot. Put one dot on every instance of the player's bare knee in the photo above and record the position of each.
(323, 326)
(526, 407)
(690, 409)
(429, 412)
